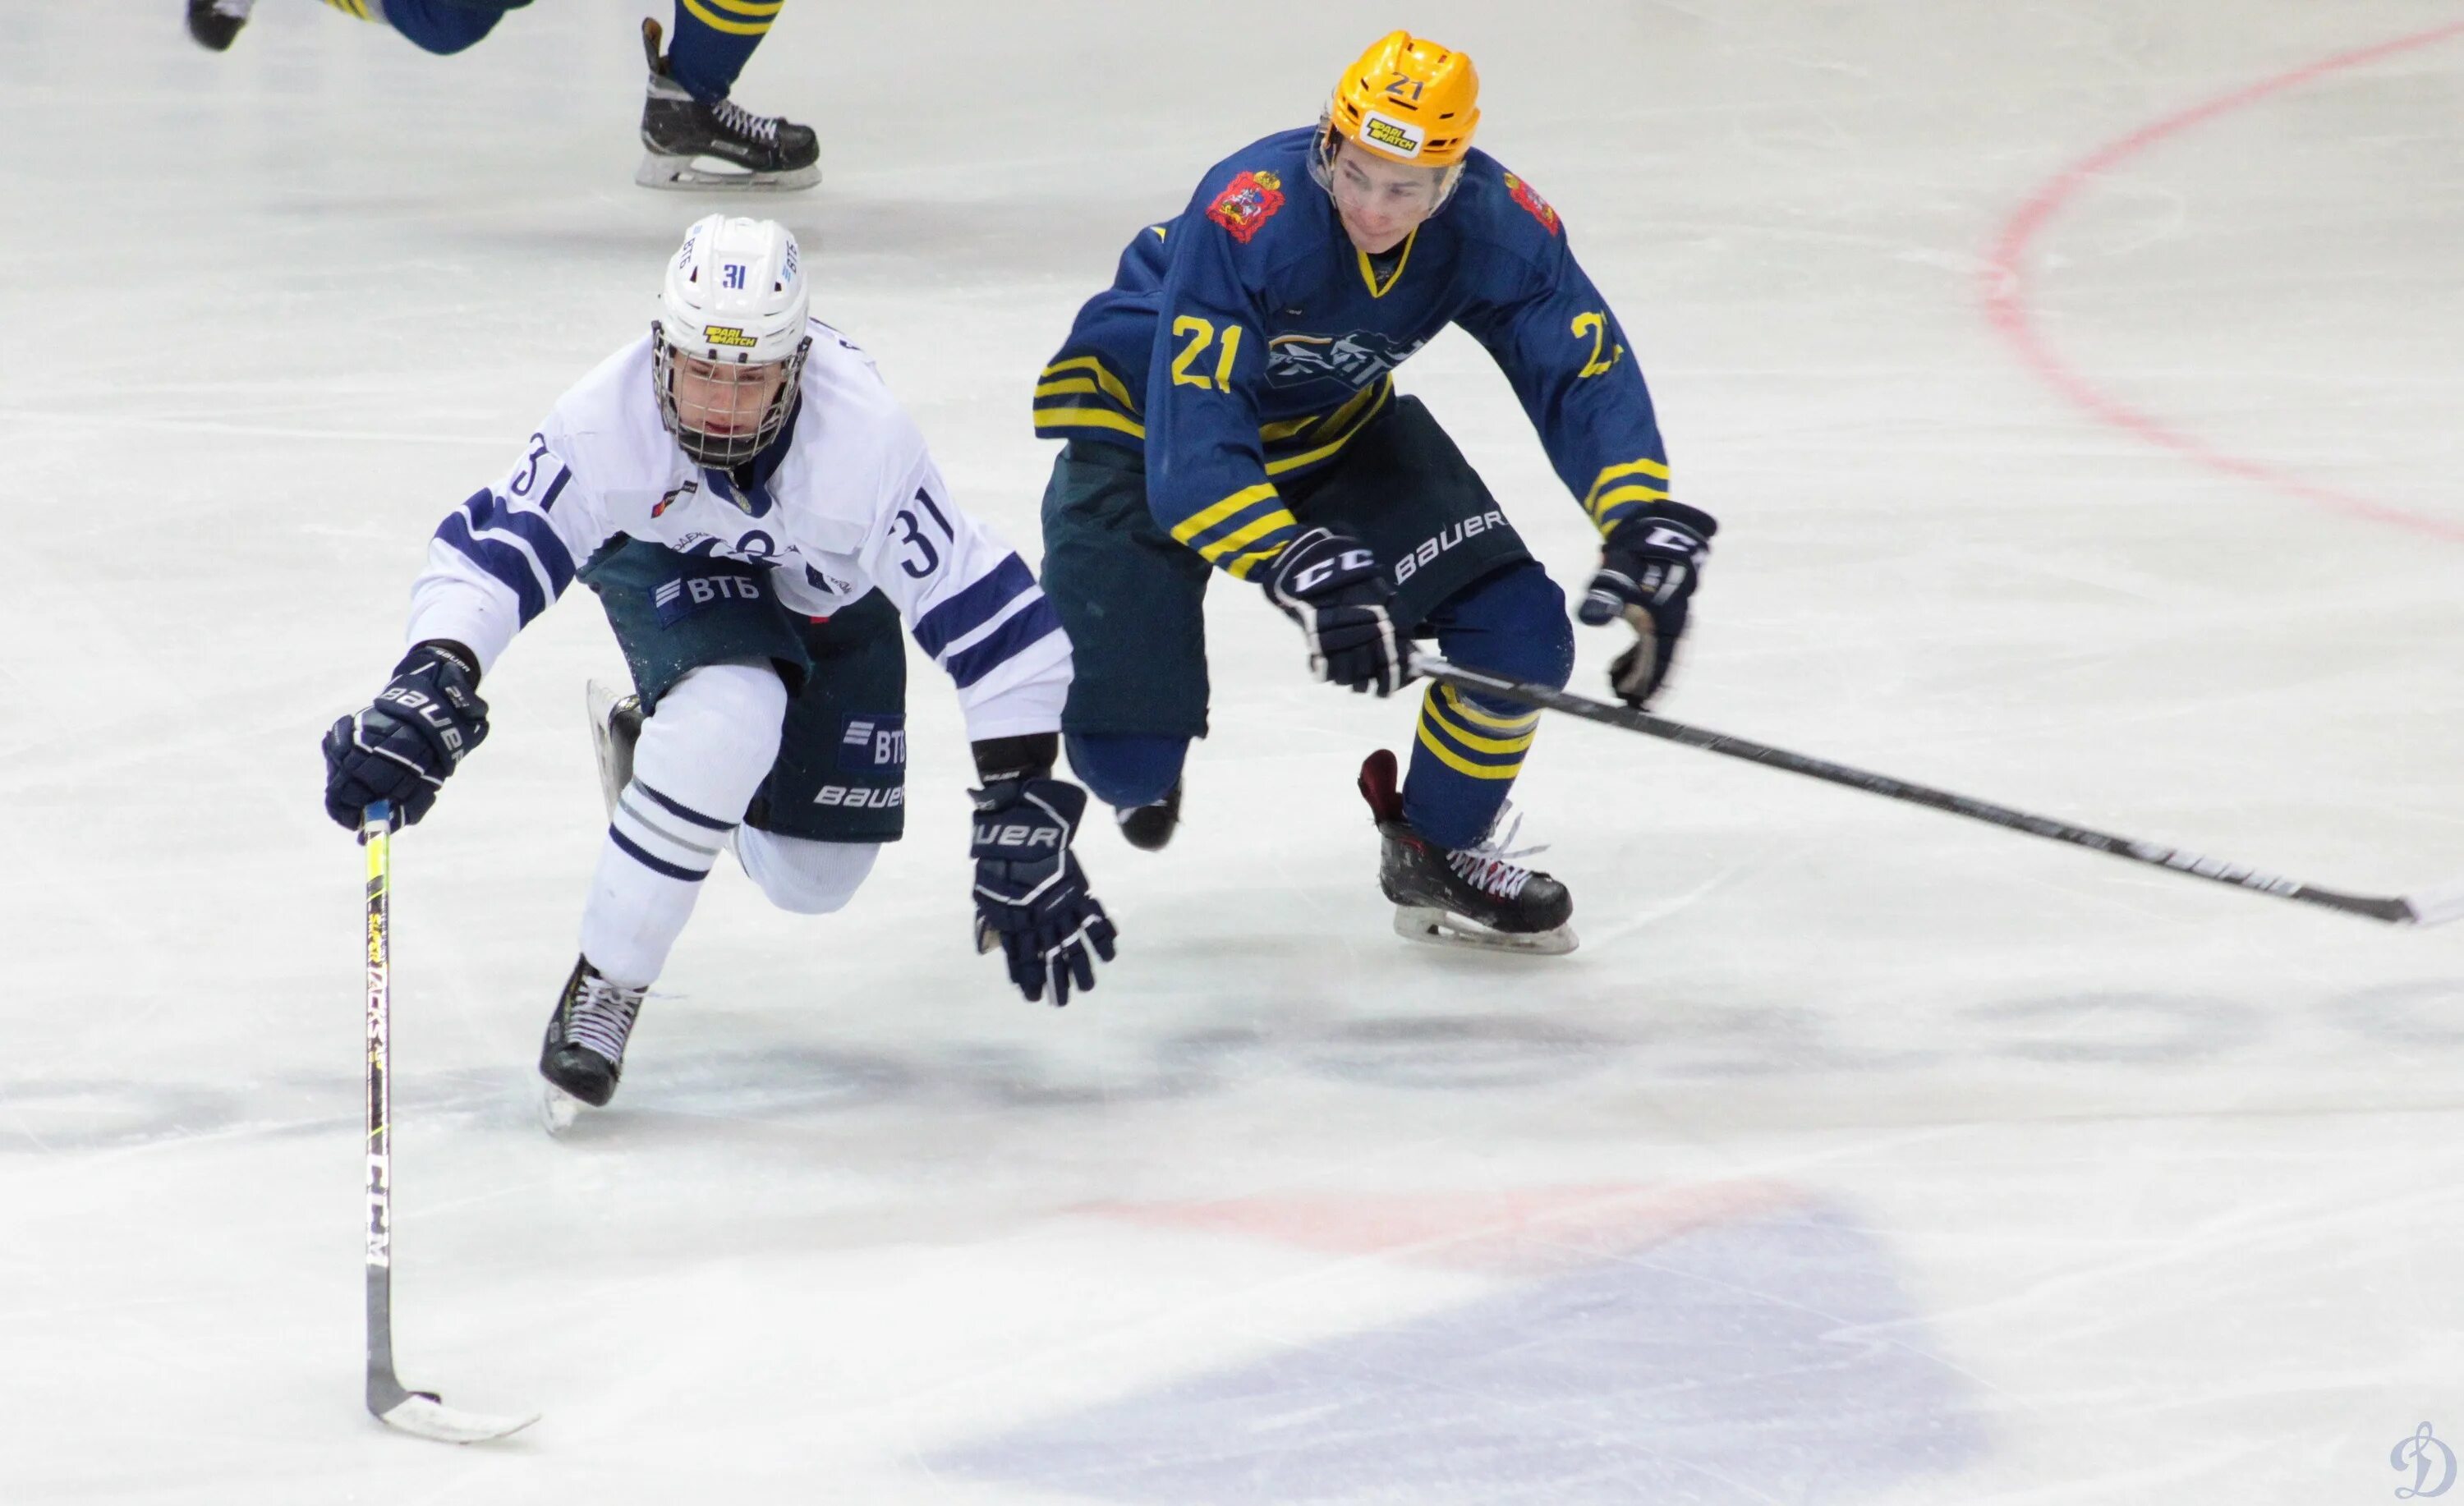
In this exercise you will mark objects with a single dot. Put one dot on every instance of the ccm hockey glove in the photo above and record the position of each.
(1649, 566)
(1031, 894)
(1331, 585)
(409, 739)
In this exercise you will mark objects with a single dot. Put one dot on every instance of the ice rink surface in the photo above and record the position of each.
(2078, 386)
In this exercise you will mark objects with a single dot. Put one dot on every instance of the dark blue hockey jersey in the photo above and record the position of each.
(1248, 340)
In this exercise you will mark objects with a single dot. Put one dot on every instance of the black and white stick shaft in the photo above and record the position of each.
(418, 1413)
(2432, 907)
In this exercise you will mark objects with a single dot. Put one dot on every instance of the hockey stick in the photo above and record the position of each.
(417, 1412)
(2434, 906)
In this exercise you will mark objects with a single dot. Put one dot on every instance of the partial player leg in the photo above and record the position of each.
(1468, 748)
(1460, 571)
(680, 761)
(689, 123)
(1133, 601)
(216, 24)
(442, 26)
(701, 755)
(1445, 861)
(1139, 776)
(802, 875)
(840, 776)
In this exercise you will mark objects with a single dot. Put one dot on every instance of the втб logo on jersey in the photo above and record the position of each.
(1355, 360)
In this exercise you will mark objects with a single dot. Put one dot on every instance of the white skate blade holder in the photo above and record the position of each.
(1438, 928)
(693, 174)
(598, 701)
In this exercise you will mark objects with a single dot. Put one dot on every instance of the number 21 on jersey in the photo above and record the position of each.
(1200, 335)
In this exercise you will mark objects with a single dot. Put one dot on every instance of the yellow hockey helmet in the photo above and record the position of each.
(1409, 101)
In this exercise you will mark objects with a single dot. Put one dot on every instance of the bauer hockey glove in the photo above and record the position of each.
(1650, 564)
(1332, 586)
(1031, 894)
(409, 739)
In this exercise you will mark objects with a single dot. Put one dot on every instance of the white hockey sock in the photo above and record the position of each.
(799, 874)
(702, 756)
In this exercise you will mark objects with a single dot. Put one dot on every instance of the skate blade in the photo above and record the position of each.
(598, 701)
(558, 1110)
(685, 174)
(1445, 928)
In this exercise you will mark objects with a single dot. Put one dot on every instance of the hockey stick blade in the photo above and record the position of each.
(422, 1416)
(2432, 906)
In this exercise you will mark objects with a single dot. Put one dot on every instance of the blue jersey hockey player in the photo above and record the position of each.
(692, 135)
(1230, 406)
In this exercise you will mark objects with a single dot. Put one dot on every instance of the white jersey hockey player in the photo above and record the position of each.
(757, 516)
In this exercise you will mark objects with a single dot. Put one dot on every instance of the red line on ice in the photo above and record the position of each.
(2007, 288)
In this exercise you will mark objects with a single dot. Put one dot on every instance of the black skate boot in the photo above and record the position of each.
(216, 23)
(764, 151)
(615, 727)
(1151, 826)
(1473, 896)
(583, 1055)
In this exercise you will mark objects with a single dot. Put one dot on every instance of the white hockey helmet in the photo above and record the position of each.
(731, 319)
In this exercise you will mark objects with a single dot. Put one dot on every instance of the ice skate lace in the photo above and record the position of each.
(1488, 865)
(601, 1017)
(763, 129)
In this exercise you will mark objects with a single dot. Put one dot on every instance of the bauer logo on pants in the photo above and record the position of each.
(873, 743)
(856, 797)
(1430, 549)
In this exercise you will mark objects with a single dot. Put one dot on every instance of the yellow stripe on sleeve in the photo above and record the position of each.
(750, 8)
(1089, 417)
(1639, 467)
(1060, 389)
(1111, 385)
(1274, 522)
(1627, 494)
(1214, 513)
(1239, 569)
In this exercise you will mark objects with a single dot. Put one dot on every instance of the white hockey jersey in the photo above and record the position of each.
(854, 504)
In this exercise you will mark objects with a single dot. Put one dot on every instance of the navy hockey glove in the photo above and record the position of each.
(1031, 894)
(1649, 567)
(409, 739)
(1332, 586)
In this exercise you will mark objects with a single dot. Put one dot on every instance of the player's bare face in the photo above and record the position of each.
(1380, 202)
(724, 399)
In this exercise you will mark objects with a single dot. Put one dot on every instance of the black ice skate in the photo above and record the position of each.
(615, 727)
(583, 1055)
(1469, 896)
(681, 133)
(1151, 826)
(216, 23)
